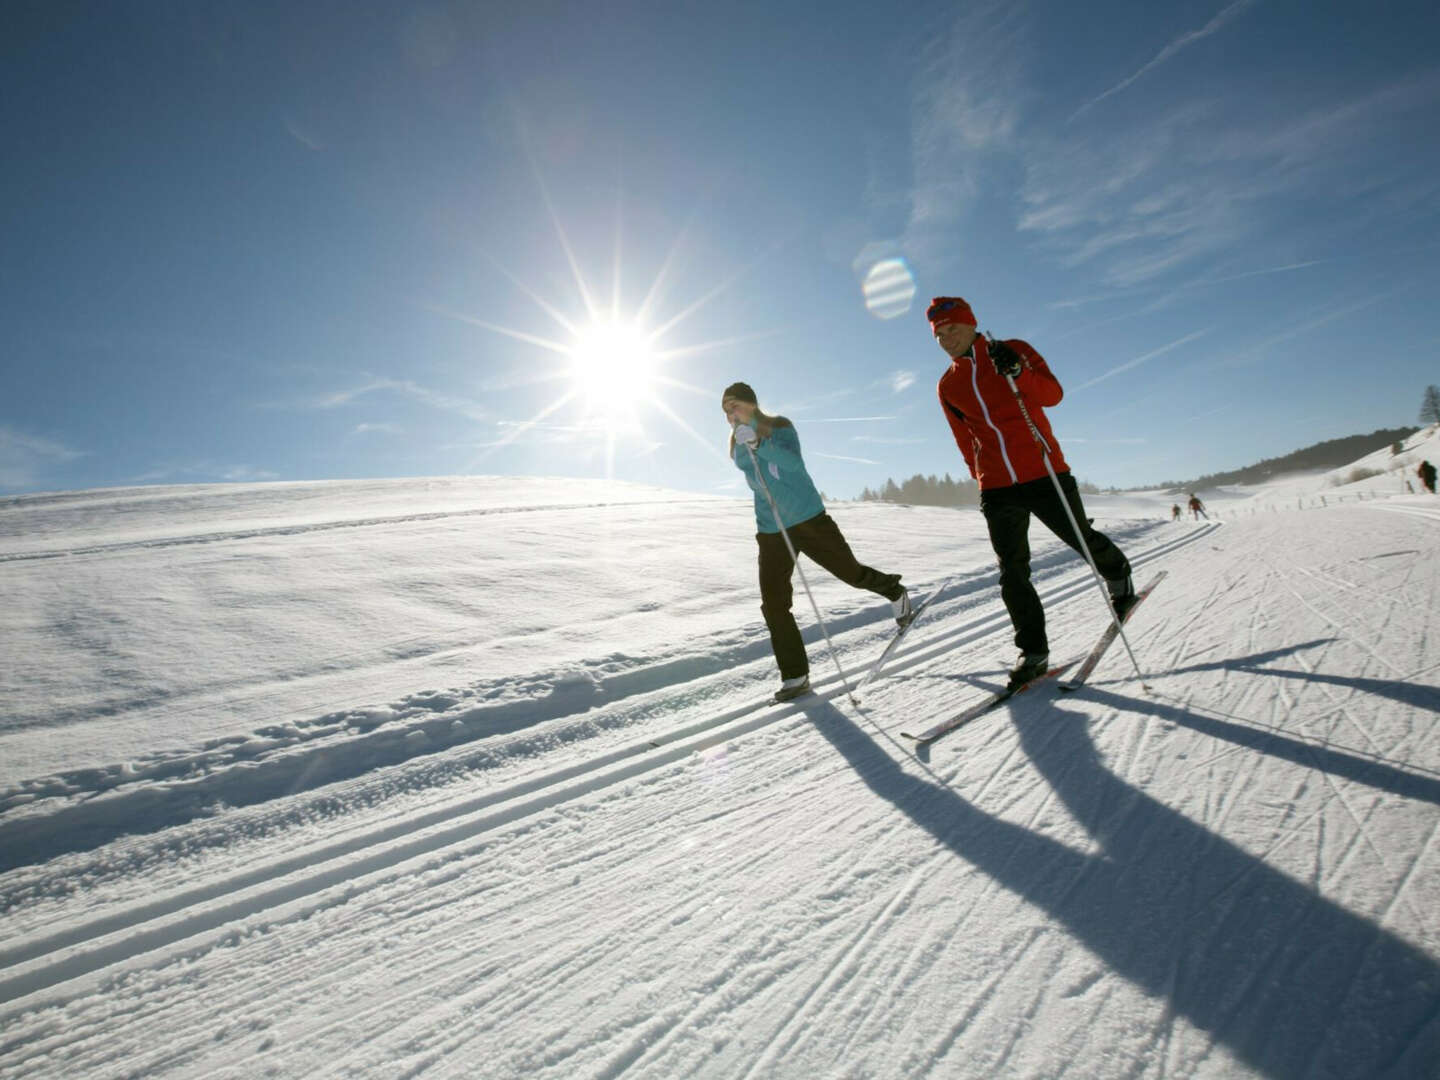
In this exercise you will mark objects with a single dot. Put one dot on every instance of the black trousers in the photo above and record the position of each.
(1007, 515)
(821, 539)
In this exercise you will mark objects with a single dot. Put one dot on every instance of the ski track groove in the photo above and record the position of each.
(299, 528)
(1338, 706)
(978, 1008)
(651, 1035)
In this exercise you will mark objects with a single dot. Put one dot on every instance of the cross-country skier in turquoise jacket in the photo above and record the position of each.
(772, 444)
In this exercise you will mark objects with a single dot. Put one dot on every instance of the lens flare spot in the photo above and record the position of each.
(889, 288)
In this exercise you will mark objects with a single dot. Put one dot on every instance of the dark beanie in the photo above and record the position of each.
(740, 392)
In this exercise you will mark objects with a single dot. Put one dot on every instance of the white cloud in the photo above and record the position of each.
(434, 398)
(841, 457)
(1131, 364)
(1184, 41)
(247, 473)
(967, 104)
(26, 459)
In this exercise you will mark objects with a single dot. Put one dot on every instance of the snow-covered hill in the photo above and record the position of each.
(479, 778)
(1379, 475)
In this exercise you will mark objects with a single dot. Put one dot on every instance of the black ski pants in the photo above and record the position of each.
(1007, 515)
(821, 539)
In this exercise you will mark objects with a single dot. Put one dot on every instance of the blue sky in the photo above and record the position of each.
(320, 240)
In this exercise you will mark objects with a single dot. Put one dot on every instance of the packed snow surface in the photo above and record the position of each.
(480, 777)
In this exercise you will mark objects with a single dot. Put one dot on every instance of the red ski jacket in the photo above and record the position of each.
(985, 417)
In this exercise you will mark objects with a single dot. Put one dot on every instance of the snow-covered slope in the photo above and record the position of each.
(1378, 475)
(479, 778)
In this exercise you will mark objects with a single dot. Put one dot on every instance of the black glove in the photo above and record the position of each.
(1007, 360)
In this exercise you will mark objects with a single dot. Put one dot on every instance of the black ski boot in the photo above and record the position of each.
(1029, 666)
(1122, 596)
(790, 689)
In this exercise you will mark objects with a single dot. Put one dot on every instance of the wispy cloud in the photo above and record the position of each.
(382, 428)
(1190, 184)
(844, 419)
(842, 457)
(880, 440)
(961, 113)
(243, 473)
(1146, 357)
(406, 387)
(1183, 42)
(203, 471)
(1255, 351)
(902, 380)
(25, 459)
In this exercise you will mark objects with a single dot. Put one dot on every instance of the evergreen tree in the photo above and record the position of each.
(1430, 405)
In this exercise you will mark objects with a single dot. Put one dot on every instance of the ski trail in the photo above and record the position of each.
(226, 536)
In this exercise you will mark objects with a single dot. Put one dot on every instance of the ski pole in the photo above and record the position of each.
(795, 559)
(1079, 536)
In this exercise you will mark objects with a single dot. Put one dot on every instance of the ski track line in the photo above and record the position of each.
(51, 961)
(377, 854)
(620, 936)
(381, 904)
(1414, 511)
(1422, 925)
(1338, 795)
(977, 1008)
(1343, 629)
(325, 526)
(783, 1037)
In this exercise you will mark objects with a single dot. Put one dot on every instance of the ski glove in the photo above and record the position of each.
(745, 435)
(1007, 360)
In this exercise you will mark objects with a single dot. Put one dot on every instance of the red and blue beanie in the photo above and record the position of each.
(949, 309)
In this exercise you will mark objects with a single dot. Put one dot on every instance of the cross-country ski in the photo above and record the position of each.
(981, 707)
(894, 643)
(1107, 638)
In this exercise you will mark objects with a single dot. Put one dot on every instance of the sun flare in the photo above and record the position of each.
(613, 365)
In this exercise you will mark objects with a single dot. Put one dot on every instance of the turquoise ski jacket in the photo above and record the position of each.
(790, 485)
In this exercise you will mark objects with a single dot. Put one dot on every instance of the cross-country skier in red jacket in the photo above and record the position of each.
(1009, 464)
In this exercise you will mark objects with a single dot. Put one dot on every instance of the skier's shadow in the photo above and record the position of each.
(1331, 760)
(1294, 984)
(1404, 691)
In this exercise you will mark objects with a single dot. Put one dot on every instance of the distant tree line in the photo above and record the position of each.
(1330, 454)
(927, 491)
(930, 491)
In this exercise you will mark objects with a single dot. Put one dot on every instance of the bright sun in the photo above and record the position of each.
(613, 365)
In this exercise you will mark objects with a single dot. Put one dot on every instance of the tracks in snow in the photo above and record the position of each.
(301, 528)
(62, 963)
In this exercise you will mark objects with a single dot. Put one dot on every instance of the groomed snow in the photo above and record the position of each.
(479, 778)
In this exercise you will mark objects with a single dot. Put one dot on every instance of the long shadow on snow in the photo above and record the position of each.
(1407, 693)
(1328, 759)
(1291, 982)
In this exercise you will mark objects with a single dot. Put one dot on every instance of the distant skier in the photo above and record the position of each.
(1426, 472)
(1002, 454)
(775, 445)
(1175, 512)
(1197, 508)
